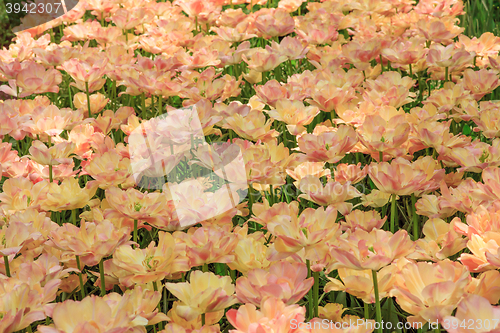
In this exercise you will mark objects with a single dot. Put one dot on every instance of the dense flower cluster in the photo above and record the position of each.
(370, 145)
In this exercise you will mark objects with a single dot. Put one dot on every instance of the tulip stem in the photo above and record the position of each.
(315, 293)
(310, 293)
(393, 212)
(70, 97)
(82, 291)
(366, 310)
(202, 319)
(7, 267)
(380, 157)
(135, 231)
(143, 99)
(51, 177)
(155, 288)
(88, 98)
(103, 282)
(415, 217)
(204, 268)
(160, 97)
(378, 311)
(113, 103)
(446, 74)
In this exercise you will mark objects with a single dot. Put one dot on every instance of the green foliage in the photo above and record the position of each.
(481, 16)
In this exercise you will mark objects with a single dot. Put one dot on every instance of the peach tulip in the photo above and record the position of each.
(211, 318)
(253, 126)
(206, 292)
(67, 195)
(151, 264)
(441, 240)
(309, 231)
(294, 114)
(58, 153)
(275, 23)
(208, 244)
(349, 173)
(430, 291)
(92, 241)
(283, 280)
(327, 144)
(273, 316)
(95, 314)
(110, 169)
(473, 309)
(359, 283)
(369, 250)
(85, 73)
(487, 285)
(35, 79)
(331, 194)
(367, 221)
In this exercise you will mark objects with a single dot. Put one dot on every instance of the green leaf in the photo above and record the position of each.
(467, 130)
(342, 298)
(389, 315)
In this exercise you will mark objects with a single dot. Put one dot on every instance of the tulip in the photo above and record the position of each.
(151, 264)
(283, 280)
(475, 309)
(205, 293)
(430, 291)
(273, 316)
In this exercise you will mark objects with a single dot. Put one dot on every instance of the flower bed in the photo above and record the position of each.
(262, 167)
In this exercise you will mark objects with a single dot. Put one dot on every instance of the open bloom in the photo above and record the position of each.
(135, 204)
(22, 304)
(250, 251)
(485, 252)
(275, 23)
(206, 292)
(441, 240)
(474, 309)
(349, 173)
(294, 114)
(283, 280)
(487, 285)
(367, 221)
(327, 144)
(273, 316)
(35, 79)
(309, 231)
(430, 291)
(359, 283)
(151, 264)
(369, 250)
(208, 244)
(404, 178)
(57, 154)
(67, 195)
(110, 169)
(304, 169)
(92, 241)
(85, 73)
(331, 194)
(211, 318)
(264, 60)
(111, 313)
(253, 126)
